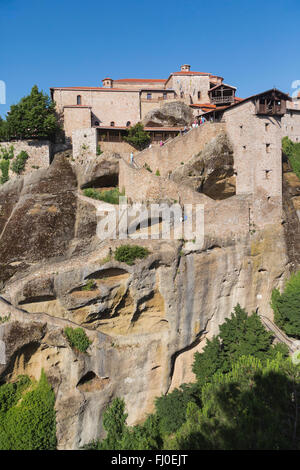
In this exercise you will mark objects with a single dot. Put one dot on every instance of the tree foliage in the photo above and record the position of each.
(129, 253)
(77, 338)
(292, 152)
(138, 137)
(286, 306)
(239, 335)
(27, 415)
(254, 406)
(32, 118)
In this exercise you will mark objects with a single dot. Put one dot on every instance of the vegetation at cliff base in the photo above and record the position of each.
(129, 253)
(77, 338)
(246, 397)
(32, 118)
(292, 151)
(27, 415)
(138, 137)
(110, 195)
(286, 306)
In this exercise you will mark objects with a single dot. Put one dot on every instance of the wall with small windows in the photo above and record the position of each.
(257, 159)
(291, 124)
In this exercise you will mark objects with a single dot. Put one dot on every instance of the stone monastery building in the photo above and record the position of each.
(124, 102)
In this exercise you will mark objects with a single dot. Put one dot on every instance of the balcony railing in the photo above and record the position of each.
(222, 99)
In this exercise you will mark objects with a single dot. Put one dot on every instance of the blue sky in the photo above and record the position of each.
(253, 44)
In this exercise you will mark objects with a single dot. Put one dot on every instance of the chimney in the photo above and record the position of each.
(185, 68)
(107, 82)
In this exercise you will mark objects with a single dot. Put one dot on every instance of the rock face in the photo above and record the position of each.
(99, 172)
(169, 115)
(145, 321)
(211, 171)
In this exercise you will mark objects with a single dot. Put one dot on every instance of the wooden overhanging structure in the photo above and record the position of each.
(268, 103)
(222, 94)
(117, 134)
(271, 103)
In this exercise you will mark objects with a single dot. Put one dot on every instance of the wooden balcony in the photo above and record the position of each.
(222, 99)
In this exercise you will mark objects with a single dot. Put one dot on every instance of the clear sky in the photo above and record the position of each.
(253, 44)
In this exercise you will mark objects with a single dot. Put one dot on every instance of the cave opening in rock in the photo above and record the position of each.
(104, 181)
(90, 375)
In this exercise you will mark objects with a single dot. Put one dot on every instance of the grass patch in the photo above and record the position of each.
(77, 338)
(129, 253)
(111, 195)
(90, 285)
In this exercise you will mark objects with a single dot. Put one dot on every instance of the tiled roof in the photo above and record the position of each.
(88, 88)
(140, 80)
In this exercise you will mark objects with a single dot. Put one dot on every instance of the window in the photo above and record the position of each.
(96, 123)
(112, 124)
(268, 148)
(165, 95)
(149, 96)
(199, 95)
(267, 126)
(181, 94)
(128, 123)
(78, 99)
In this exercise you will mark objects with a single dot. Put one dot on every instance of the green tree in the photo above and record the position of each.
(292, 151)
(286, 306)
(4, 134)
(254, 406)
(137, 137)
(27, 416)
(171, 408)
(33, 117)
(239, 335)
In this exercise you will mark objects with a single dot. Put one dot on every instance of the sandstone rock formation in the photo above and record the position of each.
(145, 321)
(211, 171)
(172, 114)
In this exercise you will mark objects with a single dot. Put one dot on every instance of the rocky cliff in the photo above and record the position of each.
(144, 321)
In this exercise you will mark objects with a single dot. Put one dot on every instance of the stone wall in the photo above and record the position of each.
(84, 143)
(228, 217)
(76, 117)
(180, 149)
(103, 105)
(291, 124)
(38, 150)
(257, 160)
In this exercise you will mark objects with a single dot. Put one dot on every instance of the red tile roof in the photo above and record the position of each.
(89, 88)
(140, 80)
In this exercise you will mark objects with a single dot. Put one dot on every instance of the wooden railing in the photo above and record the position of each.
(222, 99)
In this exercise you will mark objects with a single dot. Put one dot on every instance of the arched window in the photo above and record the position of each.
(199, 95)
(112, 124)
(149, 96)
(128, 123)
(78, 99)
(181, 94)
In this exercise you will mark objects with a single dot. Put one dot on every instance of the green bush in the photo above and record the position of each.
(286, 306)
(292, 151)
(171, 408)
(137, 137)
(239, 335)
(129, 253)
(18, 164)
(7, 153)
(27, 415)
(111, 195)
(77, 338)
(90, 285)
(4, 167)
(99, 151)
